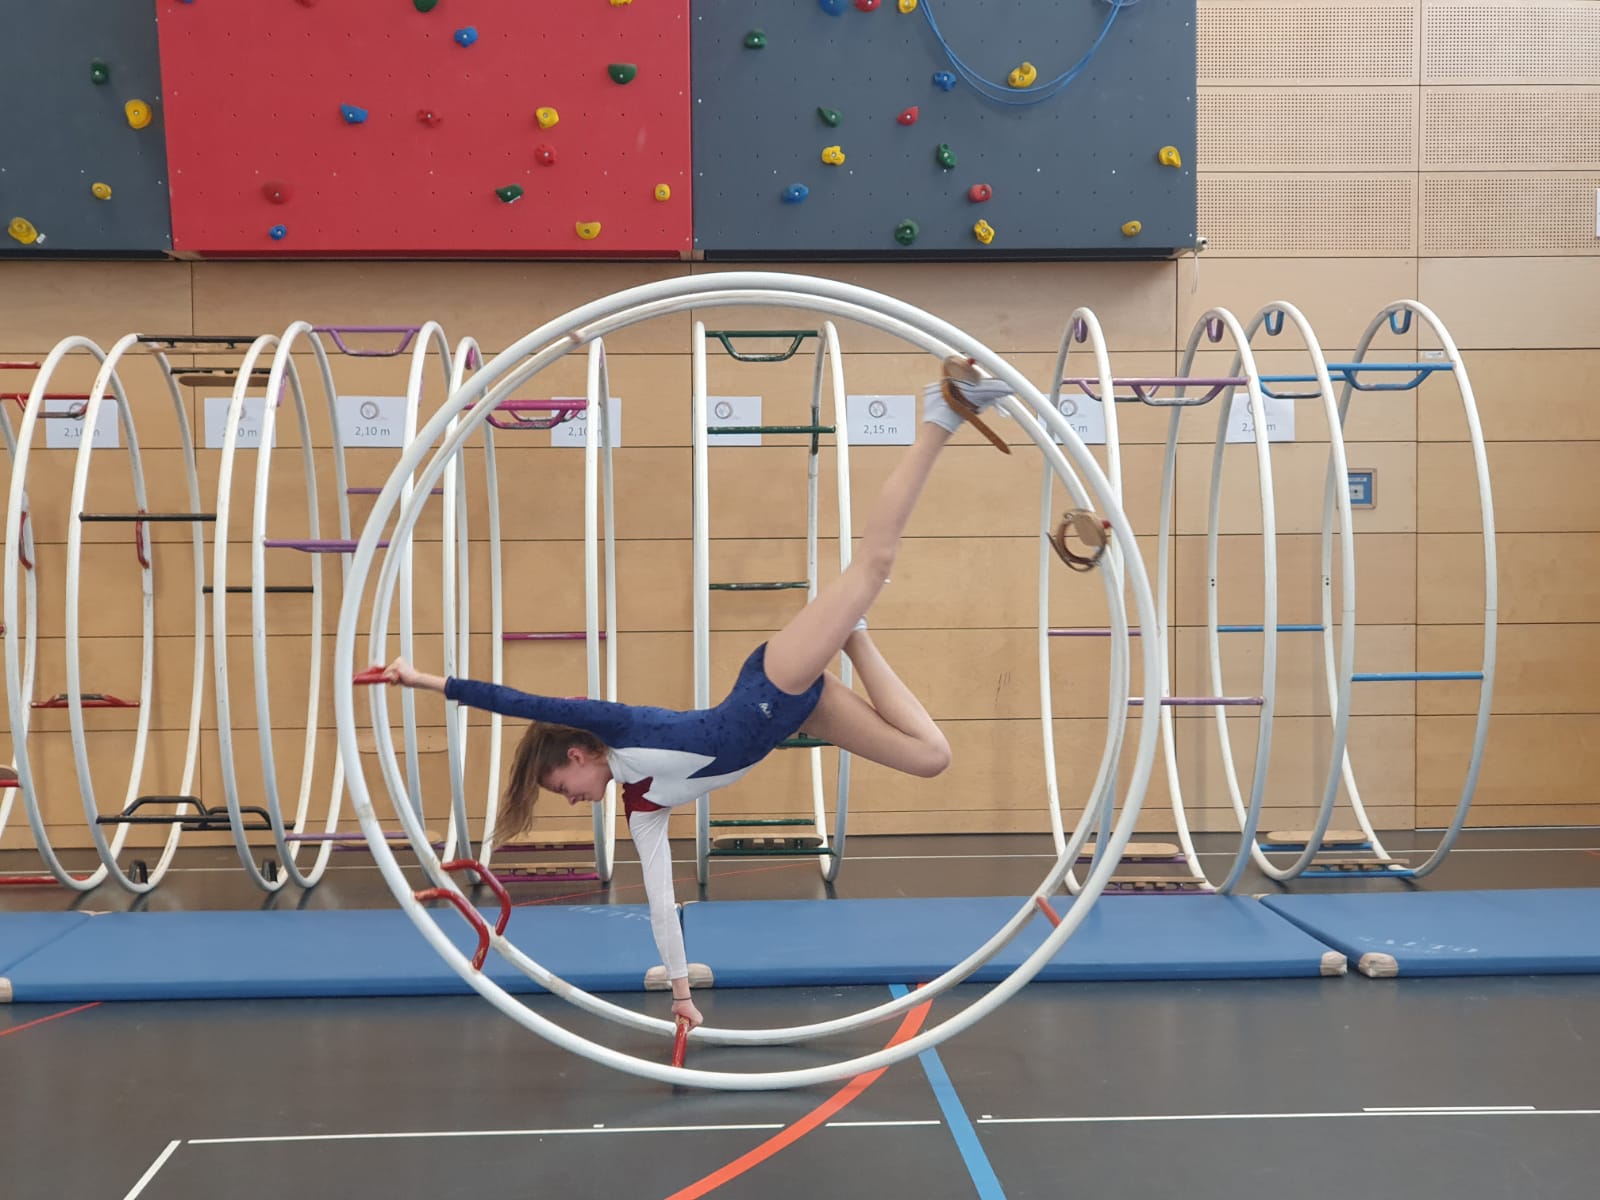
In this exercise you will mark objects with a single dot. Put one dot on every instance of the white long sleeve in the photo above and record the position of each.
(649, 830)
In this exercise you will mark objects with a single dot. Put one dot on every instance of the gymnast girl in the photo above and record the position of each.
(663, 758)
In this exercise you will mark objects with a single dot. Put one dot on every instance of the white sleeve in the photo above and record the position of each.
(649, 830)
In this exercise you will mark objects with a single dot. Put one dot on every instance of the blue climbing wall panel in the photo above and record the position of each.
(65, 132)
(1067, 164)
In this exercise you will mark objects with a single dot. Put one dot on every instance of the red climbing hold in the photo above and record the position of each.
(545, 156)
(909, 117)
(867, 5)
(428, 117)
(979, 192)
(277, 192)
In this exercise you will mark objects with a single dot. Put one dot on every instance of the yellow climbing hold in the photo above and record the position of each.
(663, 192)
(1168, 156)
(102, 191)
(620, 3)
(907, 6)
(22, 229)
(546, 117)
(984, 232)
(1132, 228)
(138, 113)
(833, 156)
(1023, 76)
(588, 230)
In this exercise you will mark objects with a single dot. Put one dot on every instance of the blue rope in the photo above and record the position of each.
(1002, 93)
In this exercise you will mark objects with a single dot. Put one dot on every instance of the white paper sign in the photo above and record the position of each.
(372, 421)
(250, 422)
(733, 410)
(66, 433)
(1279, 414)
(1085, 414)
(881, 420)
(573, 432)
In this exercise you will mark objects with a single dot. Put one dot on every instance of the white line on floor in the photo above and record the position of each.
(1454, 1108)
(877, 1124)
(145, 1179)
(1299, 1116)
(472, 1133)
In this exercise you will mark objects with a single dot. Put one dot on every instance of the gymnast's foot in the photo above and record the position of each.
(963, 394)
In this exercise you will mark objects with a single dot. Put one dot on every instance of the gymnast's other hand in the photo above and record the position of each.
(685, 1008)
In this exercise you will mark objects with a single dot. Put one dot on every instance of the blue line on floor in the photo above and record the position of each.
(972, 1155)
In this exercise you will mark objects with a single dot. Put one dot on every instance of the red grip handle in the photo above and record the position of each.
(488, 877)
(368, 676)
(680, 1044)
(466, 910)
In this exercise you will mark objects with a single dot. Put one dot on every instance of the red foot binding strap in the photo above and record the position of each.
(1044, 907)
(680, 1044)
(369, 676)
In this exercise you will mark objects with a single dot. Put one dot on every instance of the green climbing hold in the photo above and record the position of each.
(622, 72)
(830, 116)
(99, 72)
(945, 155)
(509, 193)
(755, 40)
(424, 5)
(906, 232)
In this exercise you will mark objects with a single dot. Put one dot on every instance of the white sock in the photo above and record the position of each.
(861, 626)
(936, 409)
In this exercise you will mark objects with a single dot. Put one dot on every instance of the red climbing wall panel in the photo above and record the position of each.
(254, 93)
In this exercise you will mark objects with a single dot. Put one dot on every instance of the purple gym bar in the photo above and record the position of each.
(561, 410)
(337, 332)
(315, 545)
(574, 636)
(1205, 701)
(1145, 387)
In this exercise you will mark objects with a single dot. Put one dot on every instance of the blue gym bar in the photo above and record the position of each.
(1400, 676)
(1263, 628)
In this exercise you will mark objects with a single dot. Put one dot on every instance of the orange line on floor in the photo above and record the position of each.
(51, 1017)
(816, 1117)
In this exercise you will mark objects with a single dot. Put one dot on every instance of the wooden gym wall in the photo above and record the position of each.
(1349, 155)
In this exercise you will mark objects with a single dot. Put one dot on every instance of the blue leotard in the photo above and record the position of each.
(662, 758)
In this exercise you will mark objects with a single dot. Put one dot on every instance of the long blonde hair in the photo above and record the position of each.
(542, 749)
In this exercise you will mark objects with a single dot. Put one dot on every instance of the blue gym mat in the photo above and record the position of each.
(22, 934)
(765, 943)
(1548, 931)
(211, 955)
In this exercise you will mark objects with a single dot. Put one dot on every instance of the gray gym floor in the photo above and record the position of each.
(1307, 1088)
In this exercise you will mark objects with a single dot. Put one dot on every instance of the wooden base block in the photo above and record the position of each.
(1357, 864)
(700, 976)
(766, 843)
(1156, 883)
(1140, 851)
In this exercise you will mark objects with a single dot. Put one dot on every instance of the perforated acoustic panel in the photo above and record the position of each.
(1549, 42)
(1302, 129)
(1321, 215)
(1470, 215)
(1529, 129)
(257, 94)
(1281, 42)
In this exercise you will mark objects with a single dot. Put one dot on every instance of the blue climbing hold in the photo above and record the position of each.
(351, 114)
(795, 193)
(278, 232)
(833, 8)
(944, 80)
(467, 35)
